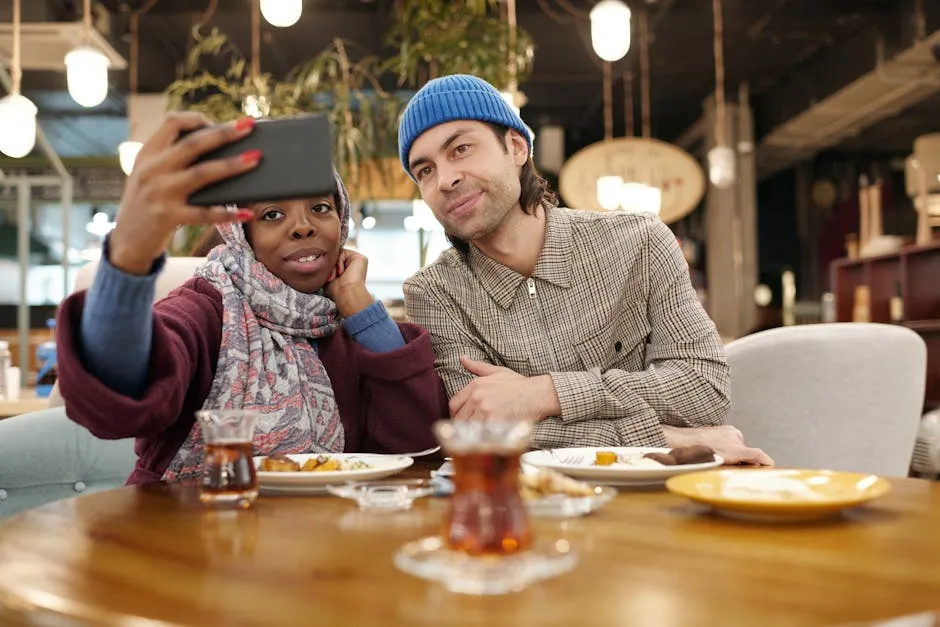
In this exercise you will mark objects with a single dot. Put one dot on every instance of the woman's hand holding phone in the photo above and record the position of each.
(154, 204)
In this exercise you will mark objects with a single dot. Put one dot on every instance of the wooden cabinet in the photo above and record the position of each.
(915, 272)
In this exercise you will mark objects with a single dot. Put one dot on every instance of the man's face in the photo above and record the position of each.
(468, 176)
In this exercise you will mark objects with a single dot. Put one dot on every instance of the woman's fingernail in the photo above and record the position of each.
(244, 215)
(245, 124)
(250, 157)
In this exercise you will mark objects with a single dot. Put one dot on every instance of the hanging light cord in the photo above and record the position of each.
(628, 129)
(511, 19)
(17, 73)
(645, 72)
(719, 75)
(608, 103)
(255, 39)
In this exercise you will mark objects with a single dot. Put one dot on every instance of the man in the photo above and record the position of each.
(584, 323)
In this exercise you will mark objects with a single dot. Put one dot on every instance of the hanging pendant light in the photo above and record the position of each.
(609, 191)
(87, 70)
(17, 112)
(127, 154)
(641, 198)
(721, 167)
(282, 13)
(17, 126)
(87, 74)
(721, 158)
(610, 29)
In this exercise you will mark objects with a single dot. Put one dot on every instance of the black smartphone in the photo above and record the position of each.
(296, 162)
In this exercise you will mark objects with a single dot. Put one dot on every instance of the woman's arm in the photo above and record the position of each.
(185, 332)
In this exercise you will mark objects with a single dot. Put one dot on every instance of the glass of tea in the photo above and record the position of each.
(487, 515)
(228, 473)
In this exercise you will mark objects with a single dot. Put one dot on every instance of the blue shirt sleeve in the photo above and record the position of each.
(117, 326)
(373, 328)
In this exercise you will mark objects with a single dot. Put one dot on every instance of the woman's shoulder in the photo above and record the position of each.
(194, 293)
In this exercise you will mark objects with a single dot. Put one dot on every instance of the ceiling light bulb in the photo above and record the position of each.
(282, 13)
(17, 126)
(610, 29)
(609, 191)
(127, 153)
(87, 74)
(721, 167)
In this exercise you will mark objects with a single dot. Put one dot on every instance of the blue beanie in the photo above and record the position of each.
(454, 97)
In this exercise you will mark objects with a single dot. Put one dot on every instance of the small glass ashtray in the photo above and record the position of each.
(431, 559)
(388, 495)
(564, 506)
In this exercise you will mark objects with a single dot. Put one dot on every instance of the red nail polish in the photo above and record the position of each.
(244, 215)
(250, 157)
(245, 124)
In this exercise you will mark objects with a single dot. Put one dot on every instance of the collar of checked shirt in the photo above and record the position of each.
(554, 264)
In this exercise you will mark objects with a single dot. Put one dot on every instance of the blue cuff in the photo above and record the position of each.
(374, 329)
(117, 326)
(114, 290)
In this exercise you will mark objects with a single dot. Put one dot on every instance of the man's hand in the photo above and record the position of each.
(725, 440)
(501, 393)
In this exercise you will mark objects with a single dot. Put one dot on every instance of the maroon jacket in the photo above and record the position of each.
(387, 401)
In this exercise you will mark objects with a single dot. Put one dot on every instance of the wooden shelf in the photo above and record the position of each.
(923, 325)
(915, 271)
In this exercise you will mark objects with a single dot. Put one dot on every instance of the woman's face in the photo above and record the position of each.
(297, 240)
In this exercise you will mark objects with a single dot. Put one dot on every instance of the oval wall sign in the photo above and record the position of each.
(673, 170)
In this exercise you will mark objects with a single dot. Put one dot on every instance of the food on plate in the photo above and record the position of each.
(279, 463)
(696, 454)
(605, 458)
(544, 483)
(320, 463)
(666, 459)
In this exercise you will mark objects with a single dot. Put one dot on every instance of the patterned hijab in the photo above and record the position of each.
(266, 361)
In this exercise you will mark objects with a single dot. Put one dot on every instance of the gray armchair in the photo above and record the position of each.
(44, 456)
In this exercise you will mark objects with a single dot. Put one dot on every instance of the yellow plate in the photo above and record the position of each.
(778, 494)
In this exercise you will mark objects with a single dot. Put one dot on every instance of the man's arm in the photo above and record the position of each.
(478, 389)
(686, 380)
(449, 338)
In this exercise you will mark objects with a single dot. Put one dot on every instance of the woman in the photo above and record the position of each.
(251, 330)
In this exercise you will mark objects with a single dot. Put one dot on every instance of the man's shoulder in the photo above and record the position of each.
(448, 268)
(624, 224)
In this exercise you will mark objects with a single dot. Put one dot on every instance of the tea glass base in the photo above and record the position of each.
(243, 499)
(431, 559)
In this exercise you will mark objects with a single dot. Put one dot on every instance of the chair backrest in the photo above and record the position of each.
(45, 457)
(842, 396)
(177, 271)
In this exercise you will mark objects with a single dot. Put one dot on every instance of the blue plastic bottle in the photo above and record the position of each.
(45, 356)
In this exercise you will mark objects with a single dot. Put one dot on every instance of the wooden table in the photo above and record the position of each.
(27, 402)
(648, 558)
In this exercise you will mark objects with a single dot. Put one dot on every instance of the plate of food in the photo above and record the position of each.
(317, 470)
(625, 465)
(779, 494)
(552, 494)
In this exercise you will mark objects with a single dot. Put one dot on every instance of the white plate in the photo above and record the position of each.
(380, 466)
(616, 474)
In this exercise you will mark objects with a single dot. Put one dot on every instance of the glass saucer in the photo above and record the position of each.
(431, 559)
(564, 506)
(388, 495)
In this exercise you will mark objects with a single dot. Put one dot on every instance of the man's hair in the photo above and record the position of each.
(535, 189)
